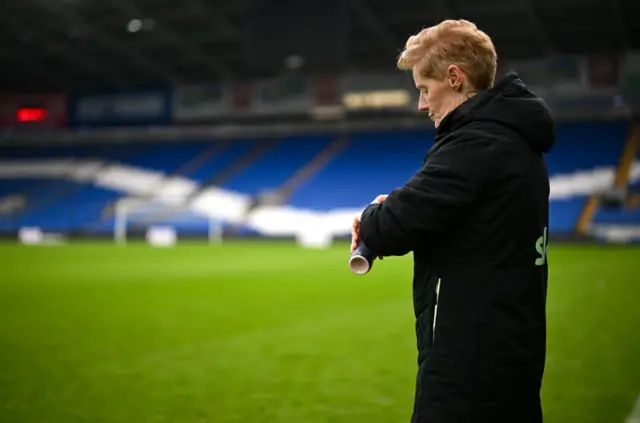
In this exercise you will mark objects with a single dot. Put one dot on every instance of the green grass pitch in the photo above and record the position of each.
(268, 332)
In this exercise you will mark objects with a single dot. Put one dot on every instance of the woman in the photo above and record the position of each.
(475, 217)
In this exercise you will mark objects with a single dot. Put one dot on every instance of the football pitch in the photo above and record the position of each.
(268, 332)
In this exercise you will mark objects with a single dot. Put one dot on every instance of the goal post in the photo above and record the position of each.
(148, 217)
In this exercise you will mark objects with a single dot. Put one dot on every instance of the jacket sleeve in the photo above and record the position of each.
(431, 203)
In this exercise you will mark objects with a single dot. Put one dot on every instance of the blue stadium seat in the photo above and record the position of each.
(625, 216)
(276, 166)
(166, 157)
(70, 213)
(228, 154)
(371, 164)
(564, 213)
(618, 217)
(583, 146)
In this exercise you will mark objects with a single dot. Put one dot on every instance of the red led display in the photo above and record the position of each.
(31, 114)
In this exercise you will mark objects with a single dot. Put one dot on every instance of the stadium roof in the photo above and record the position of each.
(57, 44)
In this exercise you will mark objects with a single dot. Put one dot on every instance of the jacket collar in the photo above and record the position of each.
(464, 113)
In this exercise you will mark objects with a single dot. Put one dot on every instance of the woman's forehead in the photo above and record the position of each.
(418, 73)
(419, 76)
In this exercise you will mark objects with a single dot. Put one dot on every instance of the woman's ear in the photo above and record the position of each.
(454, 77)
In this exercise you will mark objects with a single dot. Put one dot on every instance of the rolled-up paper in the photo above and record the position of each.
(361, 259)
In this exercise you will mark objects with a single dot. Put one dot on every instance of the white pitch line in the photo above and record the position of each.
(634, 417)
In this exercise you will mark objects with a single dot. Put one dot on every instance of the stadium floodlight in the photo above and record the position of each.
(138, 216)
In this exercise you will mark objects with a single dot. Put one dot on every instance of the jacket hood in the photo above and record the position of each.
(511, 104)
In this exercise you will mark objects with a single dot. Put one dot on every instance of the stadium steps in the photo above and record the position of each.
(198, 162)
(371, 164)
(621, 180)
(306, 172)
(628, 157)
(586, 215)
(633, 199)
(240, 164)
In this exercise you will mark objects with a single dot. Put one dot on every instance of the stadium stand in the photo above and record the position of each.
(274, 166)
(615, 213)
(371, 164)
(351, 173)
(582, 147)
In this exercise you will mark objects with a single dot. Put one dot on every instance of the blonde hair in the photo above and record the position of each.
(458, 42)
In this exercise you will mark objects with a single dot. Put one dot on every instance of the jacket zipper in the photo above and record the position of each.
(435, 312)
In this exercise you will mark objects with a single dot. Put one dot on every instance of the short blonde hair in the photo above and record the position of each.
(458, 42)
